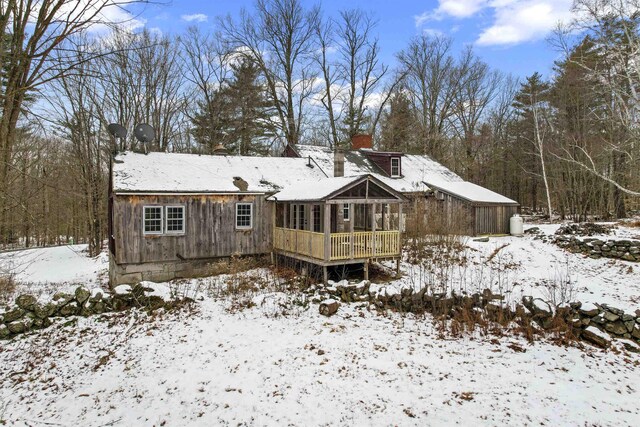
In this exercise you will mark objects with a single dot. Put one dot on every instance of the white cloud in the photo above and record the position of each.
(196, 17)
(451, 8)
(514, 21)
(432, 32)
(460, 8)
(523, 21)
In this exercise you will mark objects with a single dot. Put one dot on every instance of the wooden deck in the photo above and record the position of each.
(345, 247)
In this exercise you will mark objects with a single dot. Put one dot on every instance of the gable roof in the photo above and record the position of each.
(420, 173)
(328, 188)
(356, 163)
(193, 173)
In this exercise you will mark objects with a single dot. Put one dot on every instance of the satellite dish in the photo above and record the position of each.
(118, 131)
(144, 133)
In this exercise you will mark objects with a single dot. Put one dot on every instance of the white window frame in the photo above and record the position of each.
(346, 212)
(144, 219)
(244, 227)
(166, 219)
(398, 167)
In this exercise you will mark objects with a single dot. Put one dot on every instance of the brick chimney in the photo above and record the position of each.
(361, 141)
(338, 162)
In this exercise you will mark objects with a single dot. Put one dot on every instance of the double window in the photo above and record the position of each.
(244, 216)
(163, 220)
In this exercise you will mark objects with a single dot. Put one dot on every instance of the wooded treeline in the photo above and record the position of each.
(284, 73)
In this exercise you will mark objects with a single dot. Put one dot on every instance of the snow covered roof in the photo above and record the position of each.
(314, 190)
(417, 168)
(471, 192)
(356, 163)
(419, 173)
(325, 188)
(193, 173)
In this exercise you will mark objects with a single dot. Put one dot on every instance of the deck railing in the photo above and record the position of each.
(342, 246)
(299, 242)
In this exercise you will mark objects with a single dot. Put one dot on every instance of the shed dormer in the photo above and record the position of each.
(389, 162)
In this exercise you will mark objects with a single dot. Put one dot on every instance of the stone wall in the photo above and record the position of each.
(626, 249)
(595, 323)
(28, 314)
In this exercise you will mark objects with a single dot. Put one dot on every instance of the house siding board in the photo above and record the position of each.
(482, 219)
(493, 219)
(209, 228)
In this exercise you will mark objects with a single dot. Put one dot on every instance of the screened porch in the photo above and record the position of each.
(338, 221)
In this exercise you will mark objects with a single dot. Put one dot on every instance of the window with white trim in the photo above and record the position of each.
(395, 166)
(152, 220)
(174, 222)
(244, 216)
(345, 211)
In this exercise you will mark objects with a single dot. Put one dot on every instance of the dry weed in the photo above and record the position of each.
(7, 288)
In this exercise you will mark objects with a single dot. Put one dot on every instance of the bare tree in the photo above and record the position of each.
(359, 53)
(432, 83)
(331, 76)
(280, 38)
(478, 86)
(611, 27)
(33, 31)
(207, 67)
(80, 121)
(142, 82)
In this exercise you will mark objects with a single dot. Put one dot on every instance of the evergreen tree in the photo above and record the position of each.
(249, 126)
(531, 105)
(239, 117)
(398, 125)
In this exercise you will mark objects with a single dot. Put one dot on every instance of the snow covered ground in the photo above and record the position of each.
(279, 362)
(527, 265)
(44, 271)
(213, 367)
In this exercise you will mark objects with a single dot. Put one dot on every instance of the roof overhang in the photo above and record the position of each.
(472, 202)
(331, 196)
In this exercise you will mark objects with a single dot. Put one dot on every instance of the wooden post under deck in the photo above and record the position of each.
(373, 230)
(352, 220)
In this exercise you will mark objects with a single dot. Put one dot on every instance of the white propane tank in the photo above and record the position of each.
(516, 225)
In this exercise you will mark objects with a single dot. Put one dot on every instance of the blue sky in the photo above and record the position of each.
(508, 34)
